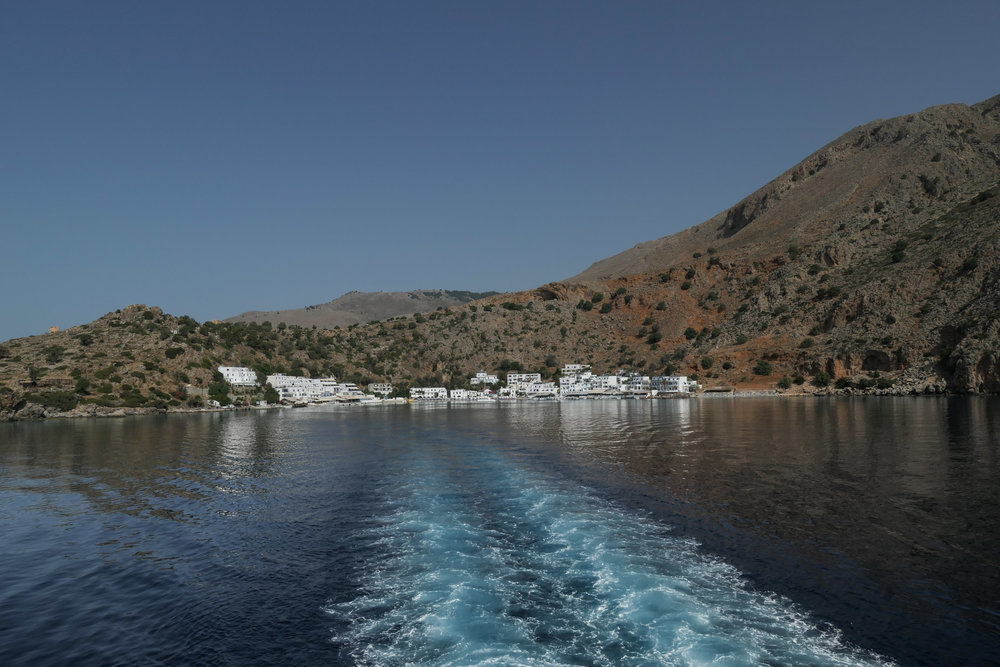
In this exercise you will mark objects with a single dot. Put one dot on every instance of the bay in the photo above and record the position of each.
(746, 531)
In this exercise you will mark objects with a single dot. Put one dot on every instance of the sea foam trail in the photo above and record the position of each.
(487, 562)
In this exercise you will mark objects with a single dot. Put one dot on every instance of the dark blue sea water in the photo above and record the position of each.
(714, 531)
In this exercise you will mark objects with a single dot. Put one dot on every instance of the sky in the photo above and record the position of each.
(213, 157)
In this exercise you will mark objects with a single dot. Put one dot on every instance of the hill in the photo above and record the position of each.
(903, 171)
(355, 307)
(871, 266)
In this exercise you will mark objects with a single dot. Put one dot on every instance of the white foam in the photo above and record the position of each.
(493, 564)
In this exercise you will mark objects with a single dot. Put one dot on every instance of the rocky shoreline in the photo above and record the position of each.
(28, 411)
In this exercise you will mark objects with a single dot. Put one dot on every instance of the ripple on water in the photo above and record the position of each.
(493, 564)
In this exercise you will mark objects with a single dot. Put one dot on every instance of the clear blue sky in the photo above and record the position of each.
(215, 157)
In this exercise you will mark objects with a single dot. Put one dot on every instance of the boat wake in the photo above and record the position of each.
(488, 562)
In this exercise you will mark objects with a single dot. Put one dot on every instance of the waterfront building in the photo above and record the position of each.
(672, 384)
(429, 393)
(518, 382)
(637, 385)
(297, 389)
(239, 376)
(541, 389)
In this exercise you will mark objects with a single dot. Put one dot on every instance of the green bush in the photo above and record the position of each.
(690, 333)
(821, 379)
(60, 400)
(173, 352)
(785, 383)
(607, 307)
(806, 343)
(686, 285)
(763, 368)
(707, 362)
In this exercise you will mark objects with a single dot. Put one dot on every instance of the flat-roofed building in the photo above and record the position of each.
(429, 393)
(239, 376)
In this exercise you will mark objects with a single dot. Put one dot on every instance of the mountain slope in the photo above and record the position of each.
(912, 167)
(355, 307)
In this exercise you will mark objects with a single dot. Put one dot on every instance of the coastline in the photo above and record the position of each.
(36, 412)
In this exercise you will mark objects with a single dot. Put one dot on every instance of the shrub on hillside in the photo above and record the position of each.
(60, 400)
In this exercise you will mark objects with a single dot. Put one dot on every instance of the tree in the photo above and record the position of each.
(219, 389)
(271, 394)
(763, 368)
(821, 379)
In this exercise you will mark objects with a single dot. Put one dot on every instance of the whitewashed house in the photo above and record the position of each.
(429, 393)
(297, 389)
(541, 389)
(383, 389)
(637, 385)
(517, 383)
(483, 378)
(672, 384)
(239, 376)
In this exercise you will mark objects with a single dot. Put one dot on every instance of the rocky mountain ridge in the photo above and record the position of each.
(355, 307)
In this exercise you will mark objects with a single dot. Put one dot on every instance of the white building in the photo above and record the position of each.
(297, 389)
(575, 369)
(239, 376)
(517, 383)
(672, 384)
(483, 378)
(381, 388)
(637, 385)
(540, 389)
(469, 395)
(429, 393)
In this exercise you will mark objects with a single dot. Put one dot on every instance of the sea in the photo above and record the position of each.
(725, 531)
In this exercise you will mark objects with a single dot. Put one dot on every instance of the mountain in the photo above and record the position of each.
(903, 171)
(355, 307)
(871, 266)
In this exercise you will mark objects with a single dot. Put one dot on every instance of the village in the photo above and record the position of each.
(576, 381)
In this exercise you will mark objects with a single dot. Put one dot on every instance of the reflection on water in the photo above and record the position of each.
(223, 537)
(850, 506)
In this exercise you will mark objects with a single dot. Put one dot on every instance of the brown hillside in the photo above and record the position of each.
(915, 166)
(355, 307)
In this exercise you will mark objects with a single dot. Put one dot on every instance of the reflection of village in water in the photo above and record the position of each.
(576, 381)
